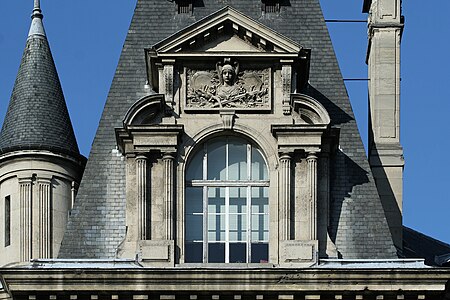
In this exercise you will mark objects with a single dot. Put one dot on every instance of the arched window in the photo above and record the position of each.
(227, 203)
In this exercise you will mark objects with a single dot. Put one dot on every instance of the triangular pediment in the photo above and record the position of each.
(229, 31)
(227, 43)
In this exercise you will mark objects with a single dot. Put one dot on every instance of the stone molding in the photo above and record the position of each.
(416, 283)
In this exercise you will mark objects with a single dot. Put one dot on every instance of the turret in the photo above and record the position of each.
(40, 164)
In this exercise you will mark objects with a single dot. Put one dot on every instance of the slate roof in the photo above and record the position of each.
(358, 225)
(37, 116)
(419, 245)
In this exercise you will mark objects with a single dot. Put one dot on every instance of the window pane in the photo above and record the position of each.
(216, 160)
(260, 228)
(216, 252)
(259, 168)
(238, 253)
(194, 227)
(237, 159)
(260, 200)
(216, 227)
(238, 200)
(195, 167)
(194, 252)
(238, 227)
(216, 200)
(194, 200)
(260, 253)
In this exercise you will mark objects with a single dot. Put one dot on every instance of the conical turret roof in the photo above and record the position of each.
(37, 116)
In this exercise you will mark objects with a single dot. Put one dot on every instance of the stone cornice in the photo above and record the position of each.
(20, 280)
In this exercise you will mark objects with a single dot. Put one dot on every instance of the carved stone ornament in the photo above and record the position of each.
(228, 87)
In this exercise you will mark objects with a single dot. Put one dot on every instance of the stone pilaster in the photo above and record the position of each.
(45, 218)
(26, 221)
(385, 150)
(312, 186)
(285, 196)
(168, 159)
(141, 182)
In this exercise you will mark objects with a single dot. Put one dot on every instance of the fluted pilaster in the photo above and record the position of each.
(45, 218)
(141, 179)
(312, 184)
(168, 159)
(25, 194)
(285, 196)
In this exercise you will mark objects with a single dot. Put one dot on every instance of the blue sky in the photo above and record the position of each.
(86, 39)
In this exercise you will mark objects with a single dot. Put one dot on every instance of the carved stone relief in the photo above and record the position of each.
(228, 87)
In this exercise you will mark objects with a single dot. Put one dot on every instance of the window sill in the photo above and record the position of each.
(226, 266)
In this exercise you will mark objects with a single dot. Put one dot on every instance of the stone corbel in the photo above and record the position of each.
(168, 82)
(286, 77)
(228, 119)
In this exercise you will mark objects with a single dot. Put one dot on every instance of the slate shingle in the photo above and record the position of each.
(37, 116)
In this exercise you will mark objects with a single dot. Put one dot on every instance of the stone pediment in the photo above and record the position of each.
(187, 67)
(227, 31)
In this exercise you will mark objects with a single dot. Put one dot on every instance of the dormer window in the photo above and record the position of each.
(270, 6)
(184, 6)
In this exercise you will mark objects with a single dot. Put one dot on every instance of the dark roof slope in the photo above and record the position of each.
(419, 245)
(37, 116)
(358, 224)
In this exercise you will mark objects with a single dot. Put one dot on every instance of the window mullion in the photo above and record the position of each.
(249, 212)
(205, 162)
(249, 162)
(205, 224)
(249, 227)
(205, 204)
(227, 224)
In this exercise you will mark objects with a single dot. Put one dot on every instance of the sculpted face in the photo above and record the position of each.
(228, 74)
